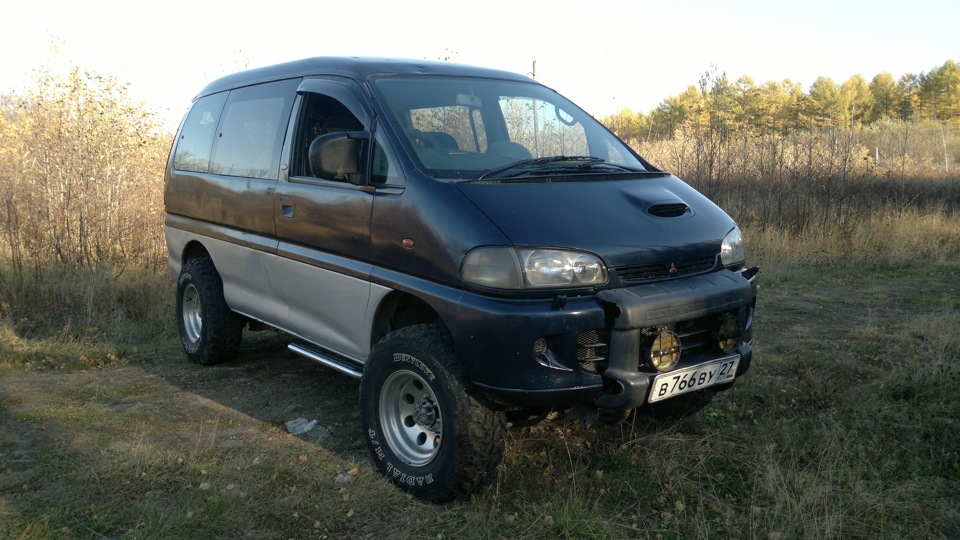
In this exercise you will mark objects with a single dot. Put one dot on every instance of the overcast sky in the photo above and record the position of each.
(603, 54)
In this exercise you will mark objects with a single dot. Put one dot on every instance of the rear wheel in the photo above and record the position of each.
(426, 433)
(209, 330)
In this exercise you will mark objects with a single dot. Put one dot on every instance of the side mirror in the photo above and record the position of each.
(339, 156)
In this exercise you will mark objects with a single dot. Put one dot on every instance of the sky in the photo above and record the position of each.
(605, 55)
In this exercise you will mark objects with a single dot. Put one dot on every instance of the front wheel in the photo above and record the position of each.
(426, 433)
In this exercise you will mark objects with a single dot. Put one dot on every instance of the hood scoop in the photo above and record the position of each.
(668, 209)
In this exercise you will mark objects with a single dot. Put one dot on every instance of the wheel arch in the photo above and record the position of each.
(193, 250)
(399, 310)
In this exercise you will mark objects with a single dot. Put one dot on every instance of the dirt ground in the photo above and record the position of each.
(255, 395)
(61, 432)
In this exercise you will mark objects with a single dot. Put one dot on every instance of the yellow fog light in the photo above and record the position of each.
(665, 351)
(728, 335)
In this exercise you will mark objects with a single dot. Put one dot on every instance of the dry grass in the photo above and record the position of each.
(882, 236)
(62, 318)
(848, 424)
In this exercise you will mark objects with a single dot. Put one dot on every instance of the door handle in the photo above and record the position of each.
(286, 207)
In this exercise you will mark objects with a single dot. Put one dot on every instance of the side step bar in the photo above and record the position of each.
(327, 361)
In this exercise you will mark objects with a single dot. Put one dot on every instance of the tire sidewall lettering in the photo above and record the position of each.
(415, 362)
(377, 449)
(397, 474)
(389, 464)
(401, 477)
(471, 442)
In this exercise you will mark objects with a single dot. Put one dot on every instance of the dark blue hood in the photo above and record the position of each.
(625, 222)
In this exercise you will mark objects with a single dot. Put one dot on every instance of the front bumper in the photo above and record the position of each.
(661, 304)
(500, 356)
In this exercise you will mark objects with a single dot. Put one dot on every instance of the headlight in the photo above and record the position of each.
(544, 268)
(732, 251)
(508, 268)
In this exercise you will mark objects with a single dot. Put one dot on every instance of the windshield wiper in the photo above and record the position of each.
(527, 165)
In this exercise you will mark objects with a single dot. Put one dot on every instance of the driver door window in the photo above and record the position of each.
(320, 115)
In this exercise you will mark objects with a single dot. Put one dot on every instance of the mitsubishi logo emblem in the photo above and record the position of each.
(673, 270)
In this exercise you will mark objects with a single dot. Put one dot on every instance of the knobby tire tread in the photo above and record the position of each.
(481, 431)
(223, 327)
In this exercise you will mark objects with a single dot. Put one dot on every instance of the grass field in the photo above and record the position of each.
(848, 424)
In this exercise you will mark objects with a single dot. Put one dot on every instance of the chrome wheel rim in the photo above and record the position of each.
(410, 414)
(192, 313)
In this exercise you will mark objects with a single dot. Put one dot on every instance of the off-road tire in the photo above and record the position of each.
(209, 330)
(426, 432)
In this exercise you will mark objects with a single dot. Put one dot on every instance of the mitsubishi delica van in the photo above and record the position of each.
(471, 245)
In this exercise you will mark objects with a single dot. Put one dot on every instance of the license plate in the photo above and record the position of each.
(691, 379)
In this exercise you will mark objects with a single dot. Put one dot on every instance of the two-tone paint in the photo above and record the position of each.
(340, 265)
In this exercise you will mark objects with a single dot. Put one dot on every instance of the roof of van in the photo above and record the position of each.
(354, 67)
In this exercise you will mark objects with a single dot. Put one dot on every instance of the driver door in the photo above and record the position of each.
(323, 225)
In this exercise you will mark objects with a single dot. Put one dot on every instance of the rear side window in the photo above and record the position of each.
(250, 137)
(196, 135)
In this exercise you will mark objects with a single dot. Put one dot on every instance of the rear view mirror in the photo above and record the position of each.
(338, 156)
(564, 116)
(469, 101)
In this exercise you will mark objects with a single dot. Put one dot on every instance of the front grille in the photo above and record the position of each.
(696, 336)
(642, 272)
(639, 273)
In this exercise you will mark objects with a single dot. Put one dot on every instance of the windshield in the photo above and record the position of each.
(471, 128)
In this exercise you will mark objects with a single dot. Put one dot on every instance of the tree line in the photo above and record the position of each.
(81, 175)
(774, 155)
(745, 106)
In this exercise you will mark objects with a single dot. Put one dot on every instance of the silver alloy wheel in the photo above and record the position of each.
(192, 313)
(410, 416)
